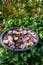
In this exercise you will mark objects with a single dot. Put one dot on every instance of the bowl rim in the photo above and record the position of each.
(16, 50)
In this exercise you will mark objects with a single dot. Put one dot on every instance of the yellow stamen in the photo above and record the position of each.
(16, 38)
(17, 32)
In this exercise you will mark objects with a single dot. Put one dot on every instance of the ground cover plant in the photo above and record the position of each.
(22, 17)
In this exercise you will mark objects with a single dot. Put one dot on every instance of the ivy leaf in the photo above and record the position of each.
(41, 34)
(17, 63)
(15, 58)
(29, 55)
(36, 63)
(24, 56)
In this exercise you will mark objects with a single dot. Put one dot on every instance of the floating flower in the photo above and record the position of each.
(5, 41)
(17, 32)
(10, 38)
(31, 43)
(15, 38)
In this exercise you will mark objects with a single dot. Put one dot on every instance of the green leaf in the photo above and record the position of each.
(16, 63)
(36, 63)
(24, 56)
(29, 55)
(41, 34)
(15, 58)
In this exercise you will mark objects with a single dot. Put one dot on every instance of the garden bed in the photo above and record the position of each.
(22, 14)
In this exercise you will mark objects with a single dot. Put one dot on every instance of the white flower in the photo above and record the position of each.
(10, 38)
(0, 12)
(32, 33)
(5, 41)
(30, 43)
(27, 38)
(24, 32)
(20, 29)
(29, 31)
(34, 40)
(25, 45)
(9, 32)
(14, 31)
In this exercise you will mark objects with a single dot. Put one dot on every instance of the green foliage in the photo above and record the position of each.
(36, 53)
